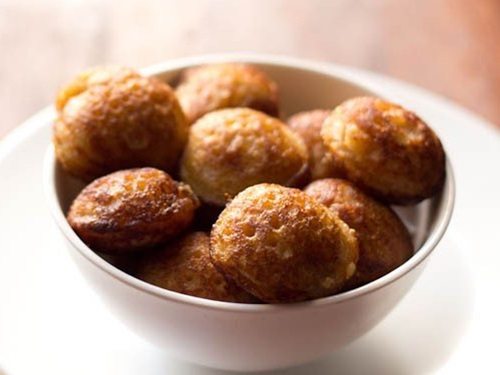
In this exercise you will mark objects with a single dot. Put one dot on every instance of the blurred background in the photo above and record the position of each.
(451, 47)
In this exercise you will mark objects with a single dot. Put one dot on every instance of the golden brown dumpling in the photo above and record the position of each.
(282, 245)
(386, 150)
(384, 241)
(231, 149)
(308, 125)
(132, 209)
(184, 266)
(210, 87)
(113, 118)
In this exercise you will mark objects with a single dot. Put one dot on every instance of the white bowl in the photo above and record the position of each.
(248, 337)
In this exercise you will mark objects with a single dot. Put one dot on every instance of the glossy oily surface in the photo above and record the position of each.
(132, 209)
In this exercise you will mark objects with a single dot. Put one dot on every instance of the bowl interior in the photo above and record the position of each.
(304, 89)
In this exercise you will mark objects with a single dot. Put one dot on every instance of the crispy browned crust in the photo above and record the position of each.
(384, 241)
(308, 125)
(184, 266)
(132, 209)
(112, 118)
(282, 245)
(210, 87)
(386, 150)
(231, 149)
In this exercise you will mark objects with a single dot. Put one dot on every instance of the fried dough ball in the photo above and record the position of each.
(384, 241)
(208, 88)
(132, 209)
(282, 245)
(184, 266)
(386, 150)
(231, 149)
(113, 118)
(308, 125)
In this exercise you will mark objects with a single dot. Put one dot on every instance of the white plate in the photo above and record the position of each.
(52, 323)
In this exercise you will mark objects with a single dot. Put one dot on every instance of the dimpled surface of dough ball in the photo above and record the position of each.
(112, 118)
(207, 88)
(184, 266)
(231, 149)
(384, 241)
(132, 209)
(308, 125)
(386, 150)
(282, 245)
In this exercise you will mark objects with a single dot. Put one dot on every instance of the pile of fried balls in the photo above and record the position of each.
(204, 190)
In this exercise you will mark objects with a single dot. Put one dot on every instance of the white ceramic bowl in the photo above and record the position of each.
(244, 336)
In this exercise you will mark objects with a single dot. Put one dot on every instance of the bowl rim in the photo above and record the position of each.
(442, 219)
